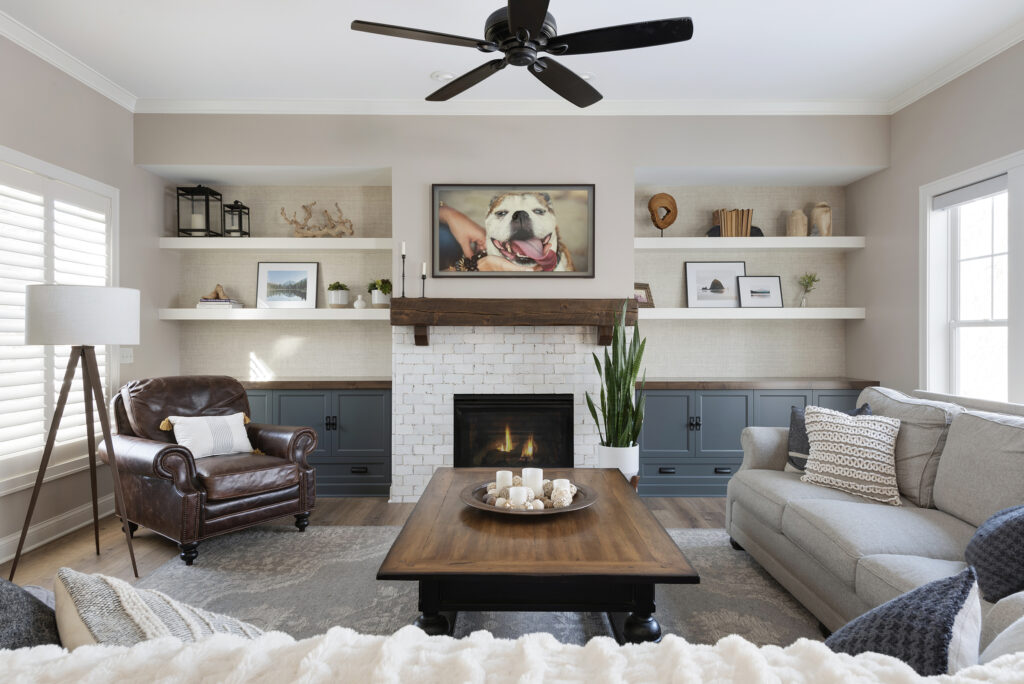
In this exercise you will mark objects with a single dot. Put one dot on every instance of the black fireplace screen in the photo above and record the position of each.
(514, 430)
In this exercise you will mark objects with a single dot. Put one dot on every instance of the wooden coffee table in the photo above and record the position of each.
(605, 558)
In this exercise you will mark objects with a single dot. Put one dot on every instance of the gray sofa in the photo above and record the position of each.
(842, 555)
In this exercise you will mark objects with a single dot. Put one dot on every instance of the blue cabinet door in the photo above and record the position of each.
(666, 431)
(837, 400)
(772, 407)
(307, 408)
(722, 415)
(261, 406)
(364, 424)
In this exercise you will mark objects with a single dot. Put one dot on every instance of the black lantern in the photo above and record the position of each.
(199, 212)
(236, 220)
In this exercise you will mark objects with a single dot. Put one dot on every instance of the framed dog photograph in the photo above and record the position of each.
(712, 284)
(760, 291)
(642, 295)
(286, 284)
(518, 231)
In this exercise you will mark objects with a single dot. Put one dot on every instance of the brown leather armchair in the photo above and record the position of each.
(189, 500)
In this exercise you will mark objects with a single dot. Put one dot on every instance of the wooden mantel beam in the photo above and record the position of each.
(423, 312)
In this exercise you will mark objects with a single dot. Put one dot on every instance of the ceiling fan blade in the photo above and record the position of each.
(466, 81)
(565, 82)
(527, 14)
(626, 37)
(419, 34)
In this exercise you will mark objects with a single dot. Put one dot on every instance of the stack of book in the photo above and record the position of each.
(205, 303)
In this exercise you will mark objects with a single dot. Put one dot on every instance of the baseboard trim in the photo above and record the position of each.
(56, 527)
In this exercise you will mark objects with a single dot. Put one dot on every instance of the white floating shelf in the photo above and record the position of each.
(661, 244)
(275, 314)
(793, 313)
(278, 244)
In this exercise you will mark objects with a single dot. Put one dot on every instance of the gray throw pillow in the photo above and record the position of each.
(936, 628)
(799, 444)
(24, 619)
(996, 551)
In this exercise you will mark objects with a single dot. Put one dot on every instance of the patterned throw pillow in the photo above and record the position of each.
(799, 447)
(854, 454)
(95, 609)
(936, 629)
(24, 619)
(211, 435)
(997, 553)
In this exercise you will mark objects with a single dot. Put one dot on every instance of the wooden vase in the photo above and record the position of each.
(821, 219)
(796, 224)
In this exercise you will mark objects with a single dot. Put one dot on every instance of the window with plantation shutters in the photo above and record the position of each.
(50, 232)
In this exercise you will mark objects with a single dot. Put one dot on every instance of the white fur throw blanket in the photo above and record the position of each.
(411, 657)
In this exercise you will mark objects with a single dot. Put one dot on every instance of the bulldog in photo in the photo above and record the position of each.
(522, 228)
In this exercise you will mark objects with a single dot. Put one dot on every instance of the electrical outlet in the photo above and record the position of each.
(127, 355)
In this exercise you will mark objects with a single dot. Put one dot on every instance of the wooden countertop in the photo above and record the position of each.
(318, 383)
(756, 383)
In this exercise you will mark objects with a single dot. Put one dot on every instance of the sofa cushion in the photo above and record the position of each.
(935, 628)
(923, 428)
(25, 621)
(997, 553)
(232, 475)
(999, 617)
(982, 467)
(766, 493)
(799, 444)
(206, 436)
(1010, 640)
(883, 577)
(839, 533)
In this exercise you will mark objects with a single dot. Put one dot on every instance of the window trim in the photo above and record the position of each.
(934, 288)
(18, 473)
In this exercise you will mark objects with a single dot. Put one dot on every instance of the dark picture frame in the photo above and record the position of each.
(642, 295)
(555, 238)
(760, 292)
(712, 284)
(287, 284)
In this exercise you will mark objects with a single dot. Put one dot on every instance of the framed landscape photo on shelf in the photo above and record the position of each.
(642, 295)
(518, 231)
(712, 284)
(286, 284)
(760, 292)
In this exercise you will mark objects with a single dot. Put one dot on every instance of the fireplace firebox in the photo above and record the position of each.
(514, 430)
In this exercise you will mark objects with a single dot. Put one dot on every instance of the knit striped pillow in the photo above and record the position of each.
(211, 435)
(854, 454)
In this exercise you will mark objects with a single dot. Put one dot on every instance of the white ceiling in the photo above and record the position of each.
(746, 56)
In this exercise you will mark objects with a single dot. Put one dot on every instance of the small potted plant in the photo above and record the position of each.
(807, 282)
(337, 295)
(622, 408)
(380, 293)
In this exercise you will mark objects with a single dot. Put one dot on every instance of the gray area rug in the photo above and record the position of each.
(305, 583)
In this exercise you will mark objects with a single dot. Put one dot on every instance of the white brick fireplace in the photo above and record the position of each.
(480, 360)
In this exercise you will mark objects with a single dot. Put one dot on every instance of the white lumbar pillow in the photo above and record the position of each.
(211, 435)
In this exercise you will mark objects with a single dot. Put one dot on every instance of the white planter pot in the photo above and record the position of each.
(379, 299)
(337, 299)
(626, 459)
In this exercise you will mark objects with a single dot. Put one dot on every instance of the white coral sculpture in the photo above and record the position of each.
(332, 227)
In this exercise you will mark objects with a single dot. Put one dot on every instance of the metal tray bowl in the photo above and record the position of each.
(474, 496)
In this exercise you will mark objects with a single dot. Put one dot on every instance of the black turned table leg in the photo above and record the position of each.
(433, 621)
(640, 625)
(434, 624)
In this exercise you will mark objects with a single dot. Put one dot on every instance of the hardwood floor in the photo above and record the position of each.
(77, 550)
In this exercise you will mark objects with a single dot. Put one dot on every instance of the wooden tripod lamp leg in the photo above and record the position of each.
(91, 439)
(51, 437)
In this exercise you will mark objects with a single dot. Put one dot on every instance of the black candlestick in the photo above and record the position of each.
(403, 275)
(423, 285)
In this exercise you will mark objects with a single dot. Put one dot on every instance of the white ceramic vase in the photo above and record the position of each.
(626, 459)
(379, 299)
(337, 299)
(360, 303)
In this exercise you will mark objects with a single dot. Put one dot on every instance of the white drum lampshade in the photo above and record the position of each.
(81, 315)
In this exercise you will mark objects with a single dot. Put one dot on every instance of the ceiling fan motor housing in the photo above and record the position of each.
(520, 50)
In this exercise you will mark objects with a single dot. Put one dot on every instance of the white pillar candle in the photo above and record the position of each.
(559, 484)
(198, 222)
(517, 496)
(403, 247)
(534, 479)
(424, 268)
(502, 479)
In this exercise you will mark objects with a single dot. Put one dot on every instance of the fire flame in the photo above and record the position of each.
(508, 440)
(528, 447)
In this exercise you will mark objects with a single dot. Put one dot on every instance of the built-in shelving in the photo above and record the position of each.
(752, 314)
(275, 314)
(835, 242)
(278, 244)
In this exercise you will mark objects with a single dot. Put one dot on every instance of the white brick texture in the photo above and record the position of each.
(479, 360)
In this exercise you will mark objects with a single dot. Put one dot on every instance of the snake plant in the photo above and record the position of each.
(622, 407)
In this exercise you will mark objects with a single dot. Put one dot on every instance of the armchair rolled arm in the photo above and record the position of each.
(764, 448)
(147, 458)
(284, 441)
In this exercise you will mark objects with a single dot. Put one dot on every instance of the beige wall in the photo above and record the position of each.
(51, 116)
(977, 118)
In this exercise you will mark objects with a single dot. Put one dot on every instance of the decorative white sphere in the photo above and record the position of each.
(490, 500)
(538, 505)
(517, 481)
(492, 485)
(547, 488)
(500, 502)
(503, 493)
(530, 496)
(561, 498)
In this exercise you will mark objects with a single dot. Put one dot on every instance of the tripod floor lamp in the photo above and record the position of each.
(81, 316)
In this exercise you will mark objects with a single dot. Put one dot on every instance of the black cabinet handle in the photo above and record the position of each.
(327, 423)
(360, 470)
(723, 471)
(666, 471)
(691, 423)
(696, 423)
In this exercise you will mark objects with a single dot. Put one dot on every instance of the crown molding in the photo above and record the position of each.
(551, 107)
(1001, 42)
(26, 38)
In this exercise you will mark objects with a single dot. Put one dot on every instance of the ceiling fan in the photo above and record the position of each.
(523, 30)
